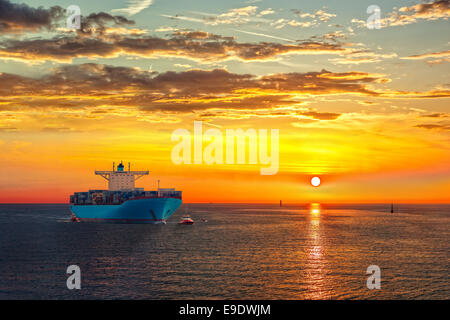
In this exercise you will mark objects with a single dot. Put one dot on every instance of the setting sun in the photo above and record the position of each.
(315, 182)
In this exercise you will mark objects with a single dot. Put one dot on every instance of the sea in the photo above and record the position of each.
(240, 251)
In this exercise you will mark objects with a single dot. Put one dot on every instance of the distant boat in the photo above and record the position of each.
(186, 220)
(203, 220)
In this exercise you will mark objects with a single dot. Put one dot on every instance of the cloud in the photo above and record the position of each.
(195, 45)
(437, 115)
(437, 61)
(69, 95)
(244, 11)
(439, 9)
(134, 7)
(96, 90)
(89, 85)
(315, 19)
(58, 129)
(236, 16)
(180, 65)
(428, 55)
(166, 29)
(436, 57)
(430, 10)
(8, 129)
(299, 114)
(322, 115)
(433, 126)
(321, 14)
(124, 31)
(18, 18)
(267, 11)
(281, 23)
(362, 56)
(96, 24)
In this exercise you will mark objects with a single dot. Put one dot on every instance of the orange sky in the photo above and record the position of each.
(365, 110)
(355, 166)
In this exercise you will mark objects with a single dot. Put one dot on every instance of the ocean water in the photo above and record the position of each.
(242, 252)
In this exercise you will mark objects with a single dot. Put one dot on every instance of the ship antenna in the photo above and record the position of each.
(158, 189)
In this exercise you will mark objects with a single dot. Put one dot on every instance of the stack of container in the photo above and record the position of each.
(106, 197)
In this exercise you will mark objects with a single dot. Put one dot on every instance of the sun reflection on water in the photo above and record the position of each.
(314, 209)
(317, 264)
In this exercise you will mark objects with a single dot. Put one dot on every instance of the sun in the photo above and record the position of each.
(315, 181)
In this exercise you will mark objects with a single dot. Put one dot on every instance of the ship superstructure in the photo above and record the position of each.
(123, 202)
(120, 179)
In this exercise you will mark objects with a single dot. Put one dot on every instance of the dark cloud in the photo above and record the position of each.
(74, 87)
(15, 18)
(95, 90)
(263, 112)
(18, 18)
(436, 115)
(96, 23)
(320, 82)
(440, 6)
(92, 40)
(433, 126)
(193, 45)
(435, 10)
(322, 115)
(57, 129)
(90, 77)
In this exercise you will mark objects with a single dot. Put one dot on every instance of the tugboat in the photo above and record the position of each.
(73, 218)
(186, 220)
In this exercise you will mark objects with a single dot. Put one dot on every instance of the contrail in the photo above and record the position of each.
(182, 18)
(263, 35)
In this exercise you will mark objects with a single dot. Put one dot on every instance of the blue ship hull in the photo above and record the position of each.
(151, 210)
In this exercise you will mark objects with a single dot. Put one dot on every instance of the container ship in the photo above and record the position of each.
(123, 202)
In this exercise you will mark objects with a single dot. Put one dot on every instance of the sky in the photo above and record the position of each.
(365, 109)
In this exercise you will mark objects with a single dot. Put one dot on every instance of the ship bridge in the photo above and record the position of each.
(121, 179)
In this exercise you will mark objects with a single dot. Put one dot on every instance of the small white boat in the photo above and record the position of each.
(186, 220)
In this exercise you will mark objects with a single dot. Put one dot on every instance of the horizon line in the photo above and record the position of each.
(265, 203)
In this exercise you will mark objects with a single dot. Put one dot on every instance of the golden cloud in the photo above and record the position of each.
(200, 46)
